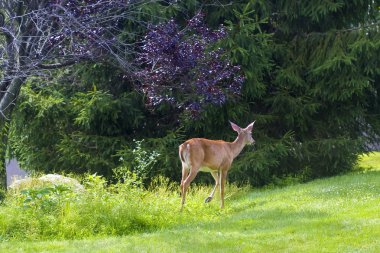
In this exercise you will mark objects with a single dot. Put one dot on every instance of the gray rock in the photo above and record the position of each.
(53, 179)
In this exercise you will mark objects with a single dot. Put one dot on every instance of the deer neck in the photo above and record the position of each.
(237, 146)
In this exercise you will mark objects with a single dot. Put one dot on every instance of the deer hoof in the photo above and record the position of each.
(208, 199)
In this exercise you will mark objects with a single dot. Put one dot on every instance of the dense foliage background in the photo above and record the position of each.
(312, 84)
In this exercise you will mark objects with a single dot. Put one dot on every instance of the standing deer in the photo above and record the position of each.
(211, 156)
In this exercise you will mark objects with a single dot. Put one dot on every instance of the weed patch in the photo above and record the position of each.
(57, 212)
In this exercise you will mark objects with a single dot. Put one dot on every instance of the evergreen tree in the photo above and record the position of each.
(312, 73)
(312, 83)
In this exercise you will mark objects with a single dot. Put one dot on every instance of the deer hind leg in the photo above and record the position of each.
(215, 175)
(223, 176)
(185, 173)
(185, 183)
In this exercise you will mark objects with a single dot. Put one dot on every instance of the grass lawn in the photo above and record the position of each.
(339, 214)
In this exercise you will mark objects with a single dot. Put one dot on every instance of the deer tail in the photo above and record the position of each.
(184, 152)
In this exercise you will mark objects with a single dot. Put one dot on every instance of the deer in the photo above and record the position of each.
(214, 156)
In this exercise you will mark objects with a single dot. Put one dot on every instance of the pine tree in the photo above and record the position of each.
(312, 82)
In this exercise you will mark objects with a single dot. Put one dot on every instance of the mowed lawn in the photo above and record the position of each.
(339, 214)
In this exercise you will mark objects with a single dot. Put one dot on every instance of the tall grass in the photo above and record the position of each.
(57, 212)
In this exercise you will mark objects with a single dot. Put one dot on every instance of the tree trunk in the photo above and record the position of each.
(4, 127)
(6, 107)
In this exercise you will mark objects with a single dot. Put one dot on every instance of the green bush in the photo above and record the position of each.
(136, 160)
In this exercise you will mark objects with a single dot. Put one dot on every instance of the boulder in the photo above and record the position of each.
(53, 179)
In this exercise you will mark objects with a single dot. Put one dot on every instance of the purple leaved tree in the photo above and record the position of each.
(185, 66)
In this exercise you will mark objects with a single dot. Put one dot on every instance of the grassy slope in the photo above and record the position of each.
(340, 214)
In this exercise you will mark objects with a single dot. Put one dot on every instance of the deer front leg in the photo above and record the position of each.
(215, 175)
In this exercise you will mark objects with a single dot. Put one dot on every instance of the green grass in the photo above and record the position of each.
(370, 161)
(338, 214)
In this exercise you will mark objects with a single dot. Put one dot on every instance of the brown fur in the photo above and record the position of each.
(214, 156)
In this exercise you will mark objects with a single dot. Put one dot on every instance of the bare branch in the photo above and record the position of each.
(2, 19)
(49, 34)
(57, 65)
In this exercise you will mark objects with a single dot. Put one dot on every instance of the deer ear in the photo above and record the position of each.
(235, 127)
(250, 126)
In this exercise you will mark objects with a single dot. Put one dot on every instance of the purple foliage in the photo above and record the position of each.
(184, 60)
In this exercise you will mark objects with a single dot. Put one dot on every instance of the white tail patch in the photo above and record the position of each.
(185, 156)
